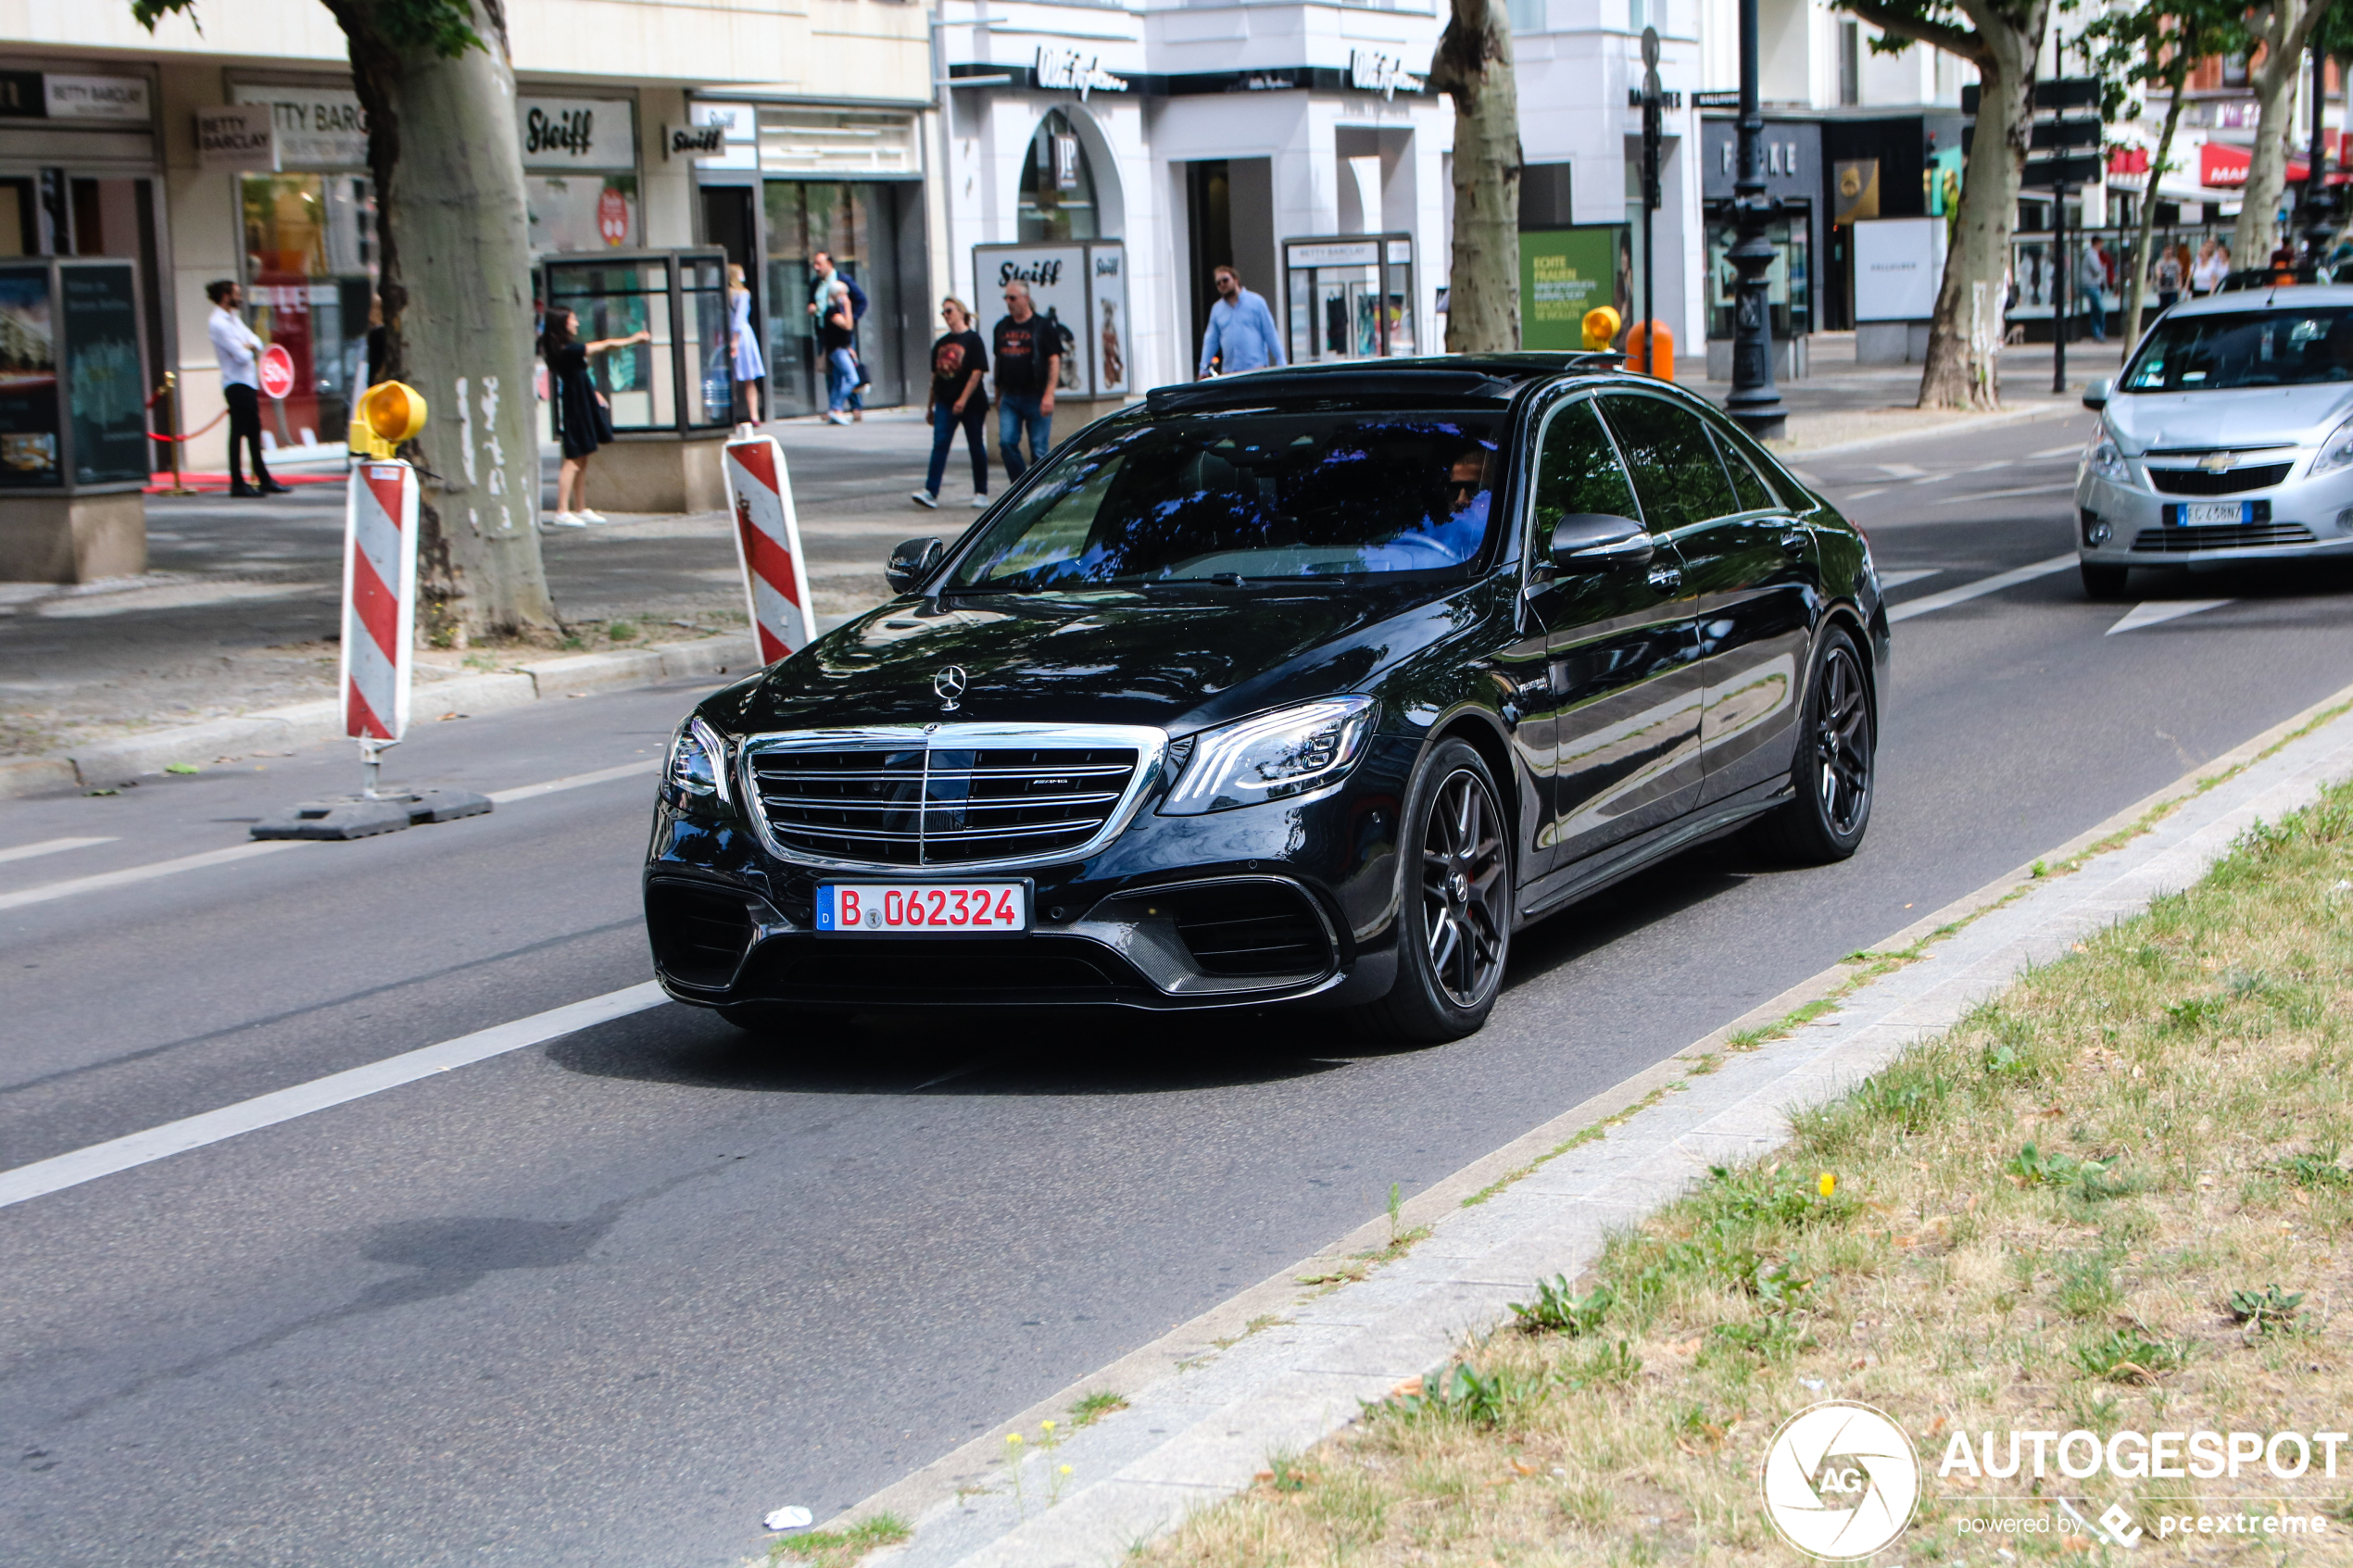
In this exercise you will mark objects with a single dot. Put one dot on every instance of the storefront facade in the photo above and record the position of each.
(1156, 145)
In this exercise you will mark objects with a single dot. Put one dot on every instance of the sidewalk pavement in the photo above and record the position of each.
(236, 616)
(1287, 1363)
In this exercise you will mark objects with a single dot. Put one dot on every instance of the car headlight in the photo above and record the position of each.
(1271, 756)
(697, 769)
(2336, 451)
(2106, 458)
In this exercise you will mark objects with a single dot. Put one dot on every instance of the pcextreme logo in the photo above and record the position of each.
(1841, 1480)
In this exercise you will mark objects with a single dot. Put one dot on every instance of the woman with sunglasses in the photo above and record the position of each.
(959, 361)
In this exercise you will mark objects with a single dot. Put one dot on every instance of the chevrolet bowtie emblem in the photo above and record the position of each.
(950, 685)
(2214, 462)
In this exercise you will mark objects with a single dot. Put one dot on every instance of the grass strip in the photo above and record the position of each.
(2115, 1198)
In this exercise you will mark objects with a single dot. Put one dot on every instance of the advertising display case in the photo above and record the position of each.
(674, 381)
(1350, 296)
(72, 377)
(1080, 287)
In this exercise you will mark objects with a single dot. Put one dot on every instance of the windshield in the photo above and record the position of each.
(1237, 497)
(2249, 349)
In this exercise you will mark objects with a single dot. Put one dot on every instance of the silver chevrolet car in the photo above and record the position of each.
(2229, 438)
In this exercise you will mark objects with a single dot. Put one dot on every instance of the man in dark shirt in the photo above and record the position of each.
(1028, 354)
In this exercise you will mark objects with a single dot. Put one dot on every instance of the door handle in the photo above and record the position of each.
(1665, 579)
(1795, 541)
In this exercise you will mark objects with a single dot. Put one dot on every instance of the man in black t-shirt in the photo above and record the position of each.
(1028, 350)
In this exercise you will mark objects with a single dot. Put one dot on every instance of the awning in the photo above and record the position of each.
(2220, 163)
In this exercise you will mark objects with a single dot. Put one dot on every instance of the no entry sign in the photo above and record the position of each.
(277, 370)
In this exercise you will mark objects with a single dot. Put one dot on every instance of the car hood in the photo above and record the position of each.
(2254, 416)
(1177, 662)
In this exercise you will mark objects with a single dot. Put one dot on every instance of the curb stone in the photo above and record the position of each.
(108, 761)
(1207, 1404)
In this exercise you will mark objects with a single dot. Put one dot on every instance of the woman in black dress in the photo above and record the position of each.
(583, 416)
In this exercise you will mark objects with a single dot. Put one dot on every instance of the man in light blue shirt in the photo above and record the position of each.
(1242, 334)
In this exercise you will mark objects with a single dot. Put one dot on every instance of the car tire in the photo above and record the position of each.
(1835, 770)
(2103, 584)
(1455, 909)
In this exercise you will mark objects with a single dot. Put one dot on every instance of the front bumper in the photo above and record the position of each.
(2130, 525)
(1289, 901)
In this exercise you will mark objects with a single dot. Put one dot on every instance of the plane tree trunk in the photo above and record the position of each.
(2136, 285)
(1473, 66)
(454, 261)
(2282, 29)
(2002, 41)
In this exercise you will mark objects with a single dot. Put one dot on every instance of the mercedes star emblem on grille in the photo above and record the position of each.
(950, 685)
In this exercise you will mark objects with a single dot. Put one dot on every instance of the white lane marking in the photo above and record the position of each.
(49, 847)
(2002, 494)
(2155, 612)
(574, 781)
(104, 880)
(131, 875)
(46, 1177)
(1867, 494)
(1900, 470)
(1897, 579)
(2072, 449)
(1978, 589)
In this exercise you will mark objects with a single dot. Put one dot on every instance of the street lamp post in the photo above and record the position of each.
(1756, 403)
(2319, 205)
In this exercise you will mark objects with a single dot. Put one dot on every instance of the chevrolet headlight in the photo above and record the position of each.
(2336, 451)
(1271, 756)
(697, 765)
(2106, 458)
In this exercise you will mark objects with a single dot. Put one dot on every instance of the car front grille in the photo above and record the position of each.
(2223, 536)
(2230, 482)
(960, 797)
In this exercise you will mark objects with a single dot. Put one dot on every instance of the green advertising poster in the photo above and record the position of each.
(1564, 273)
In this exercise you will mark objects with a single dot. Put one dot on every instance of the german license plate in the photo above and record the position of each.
(2190, 514)
(923, 909)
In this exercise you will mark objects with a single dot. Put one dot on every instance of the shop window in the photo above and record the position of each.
(853, 222)
(571, 213)
(311, 279)
(1057, 198)
(1789, 284)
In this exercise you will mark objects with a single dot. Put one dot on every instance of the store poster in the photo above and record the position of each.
(1564, 273)
(99, 305)
(1107, 272)
(1057, 277)
(28, 380)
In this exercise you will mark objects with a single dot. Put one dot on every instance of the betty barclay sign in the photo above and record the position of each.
(323, 130)
(1843, 1480)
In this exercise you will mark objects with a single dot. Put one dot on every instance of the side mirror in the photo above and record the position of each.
(911, 562)
(2096, 393)
(1585, 539)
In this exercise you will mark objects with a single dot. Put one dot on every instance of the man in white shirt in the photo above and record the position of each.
(237, 351)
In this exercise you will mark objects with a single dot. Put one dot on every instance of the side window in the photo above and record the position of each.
(1676, 471)
(1751, 490)
(1578, 470)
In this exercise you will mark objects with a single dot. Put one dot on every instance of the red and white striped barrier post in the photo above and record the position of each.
(378, 607)
(768, 545)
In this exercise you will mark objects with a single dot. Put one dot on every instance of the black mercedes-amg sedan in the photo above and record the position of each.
(1304, 686)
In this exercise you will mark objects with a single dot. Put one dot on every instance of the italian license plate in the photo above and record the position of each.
(2190, 514)
(923, 909)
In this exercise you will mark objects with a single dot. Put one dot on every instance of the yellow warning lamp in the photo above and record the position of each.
(1601, 327)
(389, 413)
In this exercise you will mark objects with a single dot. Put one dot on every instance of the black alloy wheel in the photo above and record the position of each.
(2102, 584)
(1835, 767)
(1455, 925)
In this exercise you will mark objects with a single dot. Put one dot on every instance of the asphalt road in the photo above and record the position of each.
(608, 1300)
